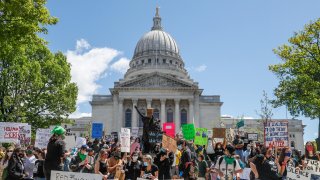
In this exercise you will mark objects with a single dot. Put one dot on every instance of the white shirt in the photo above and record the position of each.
(29, 165)
(245, 174)
(227, 169)
(246, 154)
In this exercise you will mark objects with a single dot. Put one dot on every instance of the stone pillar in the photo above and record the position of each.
(163, 110)
(115, 113)
(197, 122)
(134, 113)
(177, 115)
(191, 111)
(120, 119)
(149, 100)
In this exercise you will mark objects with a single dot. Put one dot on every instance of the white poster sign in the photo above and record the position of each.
(125, 140)
(63, 175)
(70, 142)
(135, 132)
(310, 172)
(42, 138)
(276, 134)
(80, 141)
(15, 132)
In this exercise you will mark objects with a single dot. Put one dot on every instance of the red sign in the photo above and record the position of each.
(169, 129)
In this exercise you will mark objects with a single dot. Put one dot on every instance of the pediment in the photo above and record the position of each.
(156, 80)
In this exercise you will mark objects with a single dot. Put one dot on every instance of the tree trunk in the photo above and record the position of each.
(318, 139)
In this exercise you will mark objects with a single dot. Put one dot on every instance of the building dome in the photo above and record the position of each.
(156, 41)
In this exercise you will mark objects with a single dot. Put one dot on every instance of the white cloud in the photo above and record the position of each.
(200, 68)
(121, 65)
(87, 66)
(78, 114)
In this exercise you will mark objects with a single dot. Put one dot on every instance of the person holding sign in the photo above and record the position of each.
(149, 170)
(55, 151)
(82, 162)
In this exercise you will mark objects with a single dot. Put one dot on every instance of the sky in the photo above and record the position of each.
(226, 45)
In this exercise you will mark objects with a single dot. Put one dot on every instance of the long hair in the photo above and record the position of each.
(307, 152)
(6, 157)
(282, 155)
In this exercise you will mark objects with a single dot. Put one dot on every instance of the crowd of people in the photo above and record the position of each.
(217, 160)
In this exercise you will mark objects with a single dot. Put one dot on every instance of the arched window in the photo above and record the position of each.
(143, 112)
(170, 115)
(292, 144)
(184, 117)
(156, 113)
(128, 118)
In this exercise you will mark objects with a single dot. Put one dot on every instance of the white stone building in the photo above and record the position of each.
(157, 79)
(295, 129)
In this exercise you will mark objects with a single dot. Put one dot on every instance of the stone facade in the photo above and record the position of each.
(156, 79)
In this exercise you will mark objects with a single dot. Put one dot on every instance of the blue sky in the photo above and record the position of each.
(226, 45)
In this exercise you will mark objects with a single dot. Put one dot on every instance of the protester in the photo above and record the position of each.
(226, 166)
(238, 144)
(29, 162)
(165, 163)
(175, 164)
(210, 150)
(149, 170)
(133, 167)
(202, 164)
(218, 151)
(283, 160)
(114, 164)
(38, 171)
(15, 167)
(4, 162)
(82, 162)
(101, 165)
(247, 153)
(262, 170)
(310, 152)
(135, 146)
(55, 151)
(185, 161)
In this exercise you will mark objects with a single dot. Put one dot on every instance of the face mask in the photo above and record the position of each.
(218, 147)
(248, 148)
(179, 147)
(9, 153)
(288, 154)
(134, 158)
(21, 155)
(229, 160)
(309, 148)
(145, 163)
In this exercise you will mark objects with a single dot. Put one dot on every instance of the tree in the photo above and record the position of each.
(35, 83)
(265, 112)
(299, 73)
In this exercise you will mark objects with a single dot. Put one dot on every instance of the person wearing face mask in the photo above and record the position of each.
(15, 167)
(285, 156)
(29, 163)
(247, 153)
(185, 161)
(149, 170)
(218, 151)
(310, 152)
(133, 167)
(82, 162)
(55, 151)
(4, 162)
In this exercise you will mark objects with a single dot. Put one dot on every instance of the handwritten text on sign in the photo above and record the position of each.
(310, 172)
(125, 140)
(62, 175)
(276, 133)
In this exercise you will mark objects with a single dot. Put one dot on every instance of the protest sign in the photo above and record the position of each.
(276, 134)
(218, 133)
(188, 131)
(252, 136)
(114, 135)
(42, 138)
(210, 133)
(169, 143)
(15, 132)
(70, 142)
(169, 129)
(125, 139)
(155, 137)
(135, 131)
(310, 172)
(97, 130)
(24, 134)
(201, 137)
(64, 175)
(80, 141)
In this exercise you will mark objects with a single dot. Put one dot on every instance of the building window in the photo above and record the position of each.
(292, 144)
(157, 60)
(184, 117)
(170, 115)
(143, 112)
(164, 61)
(156, 113)
(293, 135)
(142, 61)
(170, 61)
(149, 61)
(290, 136)
(128, 118)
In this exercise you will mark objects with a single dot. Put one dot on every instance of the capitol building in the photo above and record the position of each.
(156, 79)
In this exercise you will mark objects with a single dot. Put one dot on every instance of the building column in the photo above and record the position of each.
(177, 115)
(163, 110)
(191, 111)
(115, 113)
(149, 100)
(134, 113)
(120, 120)
(197, 122)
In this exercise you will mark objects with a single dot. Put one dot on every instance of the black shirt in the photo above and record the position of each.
(152, 171)
(103, 168)
(38, 169)
(55, 151)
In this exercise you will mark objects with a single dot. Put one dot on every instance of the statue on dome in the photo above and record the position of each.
(150, 124)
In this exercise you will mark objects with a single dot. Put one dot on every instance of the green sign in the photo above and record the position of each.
(201, 137)
(188, 131)
(240, 123)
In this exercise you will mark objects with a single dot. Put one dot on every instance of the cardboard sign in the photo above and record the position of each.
(310, 172)
(169, 129)
(149, 112)
(188, 131)
(276, 134)
(125, 139)
(201, 137)
(218, 133)
(80, 141)
(42, 138)
(97, 130)
(64, 175)
(70, 142)
(135, 132)
(252, 136)
(169, 143)
(155, 137)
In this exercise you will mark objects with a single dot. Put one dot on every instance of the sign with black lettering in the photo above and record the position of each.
(63, 175)
(155, 137)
